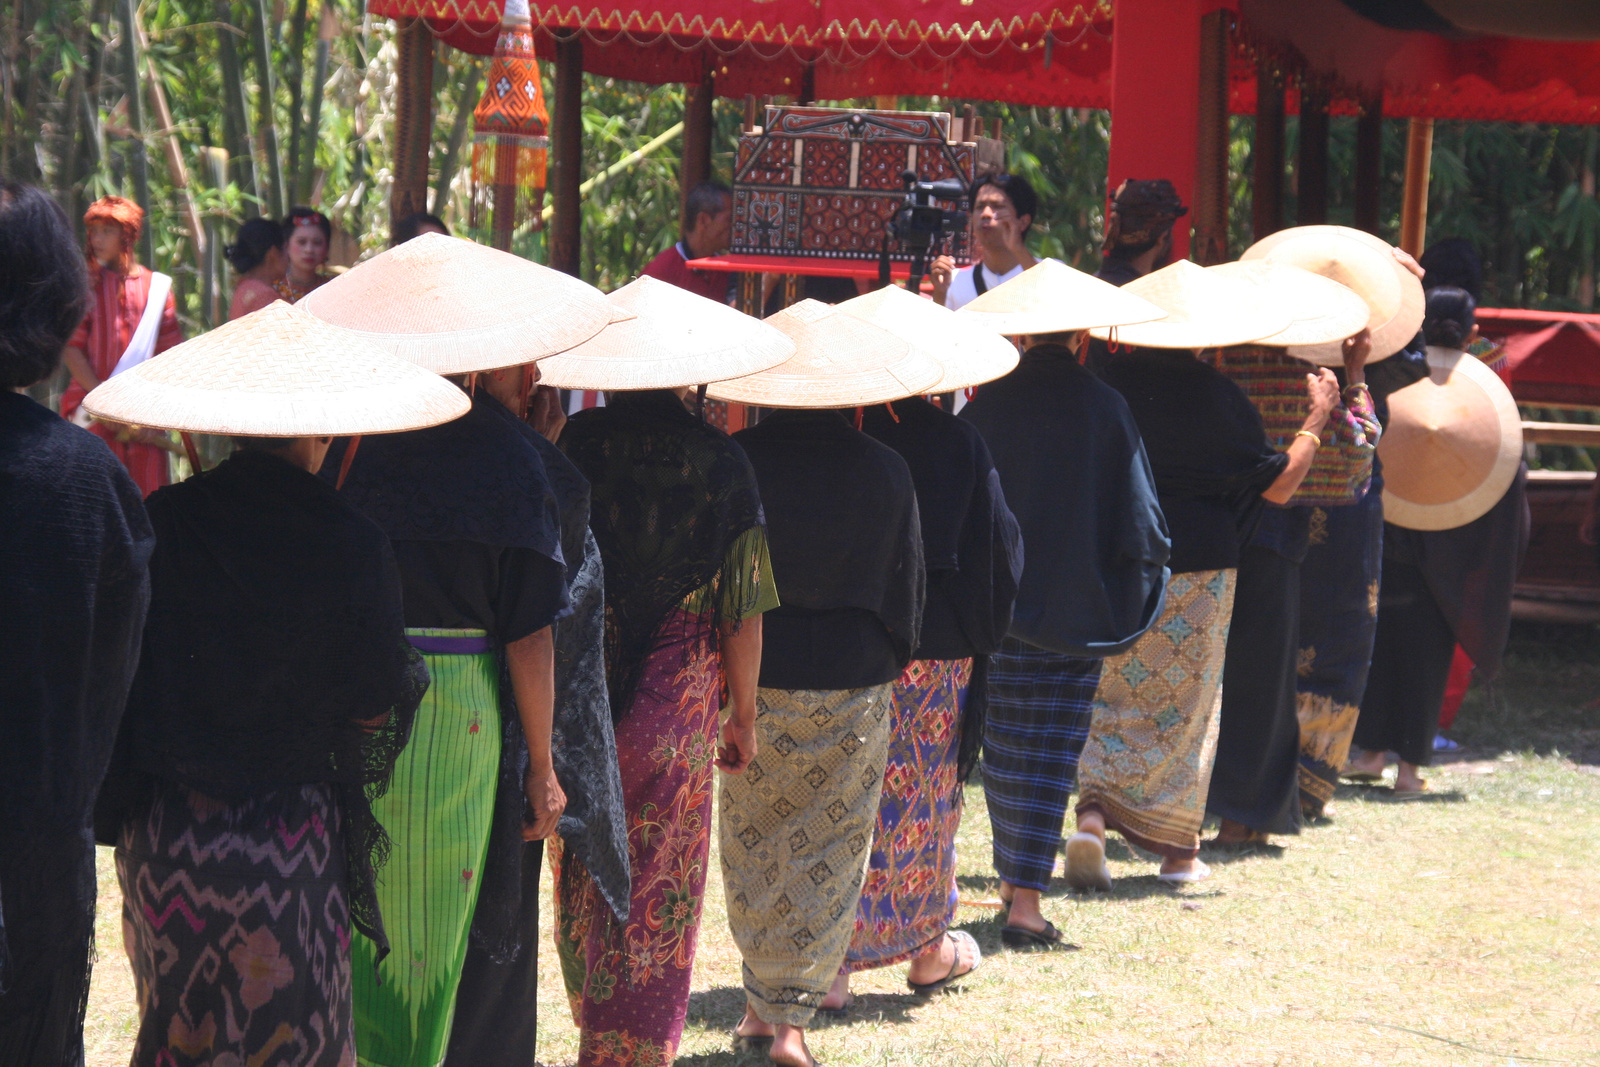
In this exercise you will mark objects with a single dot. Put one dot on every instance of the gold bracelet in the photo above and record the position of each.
(1315, 438)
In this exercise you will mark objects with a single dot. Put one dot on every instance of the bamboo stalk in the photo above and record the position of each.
(465, 101)
(327, 30)
(1414, 207)
(174, 152)
(215, 162)
(297, 78)
(138, 161)
(632, 158)
(236, 116)
(266, 123)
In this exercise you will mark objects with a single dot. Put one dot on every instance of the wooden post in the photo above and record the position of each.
(566, 142)
(413, 119)
(808, 85)
(1369, 164)
(1266, 154)
(697, 130)
(1311, 171)
(1211, 162)
(1414, 205)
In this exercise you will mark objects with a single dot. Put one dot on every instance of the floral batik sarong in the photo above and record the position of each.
(628, 982)
(1338, 620)
(437, 812)
(795, 829)
(909, 897)
(1147, 765)
(237, 926)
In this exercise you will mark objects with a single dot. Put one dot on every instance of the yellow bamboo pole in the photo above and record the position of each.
(1414, 207)
(632, 158)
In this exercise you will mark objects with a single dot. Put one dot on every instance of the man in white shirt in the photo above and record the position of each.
(1003, 206)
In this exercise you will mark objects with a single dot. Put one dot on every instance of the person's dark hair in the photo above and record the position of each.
(44, 288)
(706, 198)
(302, 216)
(1450, 316)
(250, 246)
(412, 225)
(1024, 201)
(1453, 261)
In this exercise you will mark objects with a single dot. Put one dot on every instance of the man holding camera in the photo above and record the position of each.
(1003, 206)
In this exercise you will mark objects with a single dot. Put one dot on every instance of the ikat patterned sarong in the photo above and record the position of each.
(437, 812)
(237, 926)
(795, 830)
(1147, 764)
(628, 982)
(909, 897)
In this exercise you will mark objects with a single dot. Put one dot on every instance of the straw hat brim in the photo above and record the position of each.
(278, 372)
(675, 339)
(1051, 297)
(968, 354)
(1323, 310)
(1388, 337)
(1406, 442)
(839, 361)
(455, 307)
(1203, 310)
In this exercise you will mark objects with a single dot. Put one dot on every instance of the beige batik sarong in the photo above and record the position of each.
(1153, 736)
(796, 829)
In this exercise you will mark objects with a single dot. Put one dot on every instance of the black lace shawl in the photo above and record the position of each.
(1076, 476)
(1207, 448)
(74, 551)
(841, 520)
(669, 496)
(275, 652)
(582, 743)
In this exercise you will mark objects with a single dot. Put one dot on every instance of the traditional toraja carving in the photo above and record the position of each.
(824, 183)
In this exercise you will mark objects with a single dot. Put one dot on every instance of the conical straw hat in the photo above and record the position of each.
(1452, 446)
(1204, 310)
(278, 372)
(840, 361)
(1305, 246)
(1051, 297)
(676, 338)
(455, 307)
(1323, 310)
(969, 353)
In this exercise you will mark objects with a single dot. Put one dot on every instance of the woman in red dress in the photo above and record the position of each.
(120, 289)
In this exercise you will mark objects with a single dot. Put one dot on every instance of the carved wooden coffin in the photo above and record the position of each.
(824, 183)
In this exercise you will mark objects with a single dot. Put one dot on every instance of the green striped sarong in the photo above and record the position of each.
(437, 813)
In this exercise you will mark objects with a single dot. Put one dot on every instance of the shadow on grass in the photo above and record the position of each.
(1382, 794)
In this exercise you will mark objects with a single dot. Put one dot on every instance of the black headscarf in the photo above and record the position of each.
(1207, 448)
(74, 551)
(1076, 476)
(669, 495)
(275, 653)
(971, 546)
(841, 520)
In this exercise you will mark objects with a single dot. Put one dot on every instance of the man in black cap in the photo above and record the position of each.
(1139, 229)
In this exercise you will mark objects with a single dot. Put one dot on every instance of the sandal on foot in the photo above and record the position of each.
(1020, 938)
(1200, 873)
(1410, 794)
(963, 943)
(842, 1010)
(750, 1042)
(1086, 863)
(811, 1061)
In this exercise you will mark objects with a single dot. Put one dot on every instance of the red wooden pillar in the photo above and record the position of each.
(1155, 105)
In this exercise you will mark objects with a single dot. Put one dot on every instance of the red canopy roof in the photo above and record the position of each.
(1055, 54)
(1552, 357)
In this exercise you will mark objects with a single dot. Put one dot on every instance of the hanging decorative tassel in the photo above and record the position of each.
(511, 127)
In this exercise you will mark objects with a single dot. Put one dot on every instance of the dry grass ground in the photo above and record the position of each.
(1459, 930)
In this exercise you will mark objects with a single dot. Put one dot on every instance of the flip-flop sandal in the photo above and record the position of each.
(842, 1010)
(750, 1042)
(1410, 794)
(812, 1061)
(1020, 938)
(1086, 863)
(1362, 777)
(1200, 873)
(961, 940)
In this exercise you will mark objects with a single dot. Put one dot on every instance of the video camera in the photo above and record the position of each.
(922, 227)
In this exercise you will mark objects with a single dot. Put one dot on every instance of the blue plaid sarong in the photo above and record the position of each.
(1039, 709)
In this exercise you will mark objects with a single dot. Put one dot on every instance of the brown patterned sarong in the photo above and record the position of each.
(796, 828)
(1147, 764)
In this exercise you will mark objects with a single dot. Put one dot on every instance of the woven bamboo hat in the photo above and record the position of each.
(840, 361)
(676, 338)
(1323, 310)
(1204, 310)
(1452, 446)
(1051, 297)
(1326, 250)
(455, 307)
(970, 354)
(278, 372)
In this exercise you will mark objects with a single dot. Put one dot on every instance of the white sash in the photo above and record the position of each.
(143, 343)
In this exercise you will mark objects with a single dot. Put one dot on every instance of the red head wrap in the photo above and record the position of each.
(124, 213)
